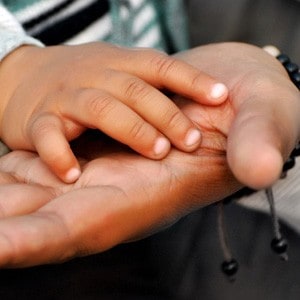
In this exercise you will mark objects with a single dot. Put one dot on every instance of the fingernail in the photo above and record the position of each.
(192, 137)
(218, 90)
(72, 175)
(162, 145)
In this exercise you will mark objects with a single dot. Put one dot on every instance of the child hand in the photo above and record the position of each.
(49, 96)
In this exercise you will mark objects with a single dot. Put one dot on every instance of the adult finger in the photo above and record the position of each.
(82, 222)
(53, 234)
(24, 166)
(18, 199)
(6, 178)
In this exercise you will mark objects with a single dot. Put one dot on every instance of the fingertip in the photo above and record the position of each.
(267, 169)
(192, 138)
(259, 169)
(72, 175)
(218, 92)
(161, 147)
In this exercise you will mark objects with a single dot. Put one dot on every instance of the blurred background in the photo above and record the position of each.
(183, 262)
(260, 22)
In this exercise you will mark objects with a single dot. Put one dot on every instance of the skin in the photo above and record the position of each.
(51, 95)
(122, 196)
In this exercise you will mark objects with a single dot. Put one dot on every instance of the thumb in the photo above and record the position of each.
(261, 138)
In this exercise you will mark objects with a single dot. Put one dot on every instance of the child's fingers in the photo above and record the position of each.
(154, 107)
(94, 108)
(162, 70)
(47, 136)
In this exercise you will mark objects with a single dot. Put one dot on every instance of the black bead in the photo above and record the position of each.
(289, 164)
(279, 245)
(291, 68)
(296, 151)
(295, 77)
(283, 58)
(230, 267)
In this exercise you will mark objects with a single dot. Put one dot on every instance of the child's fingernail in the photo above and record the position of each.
(162, 145)
(72, 175)
(193, 137)
(218, 90)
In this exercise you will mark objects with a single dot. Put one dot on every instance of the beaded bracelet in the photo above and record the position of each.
(278, 244)
(291, 68)
(294, 74)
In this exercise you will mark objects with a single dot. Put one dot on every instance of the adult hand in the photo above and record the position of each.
(122, 196)
(261, 119)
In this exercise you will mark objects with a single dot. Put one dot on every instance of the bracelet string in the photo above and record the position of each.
(278, 244)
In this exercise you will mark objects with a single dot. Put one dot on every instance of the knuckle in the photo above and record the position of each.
(100, 105)
(261, 82)
(173, 119)
(163, 64)
(138, 130)
(135, 89)
(59, 155)
(41, 129)
(42, 126)
(196, 81)
(258, 84)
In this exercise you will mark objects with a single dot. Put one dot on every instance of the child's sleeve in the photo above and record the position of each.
(12, 36)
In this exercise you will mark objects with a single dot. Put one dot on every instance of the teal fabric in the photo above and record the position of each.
(16, 5)
(170, 15)
(122, 29)
(173, 17)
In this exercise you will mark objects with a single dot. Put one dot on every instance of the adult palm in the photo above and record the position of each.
(122, 196)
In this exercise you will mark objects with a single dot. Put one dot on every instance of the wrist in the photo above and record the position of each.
(10, 76)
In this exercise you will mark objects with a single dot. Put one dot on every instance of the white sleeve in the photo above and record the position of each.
(12, 35)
